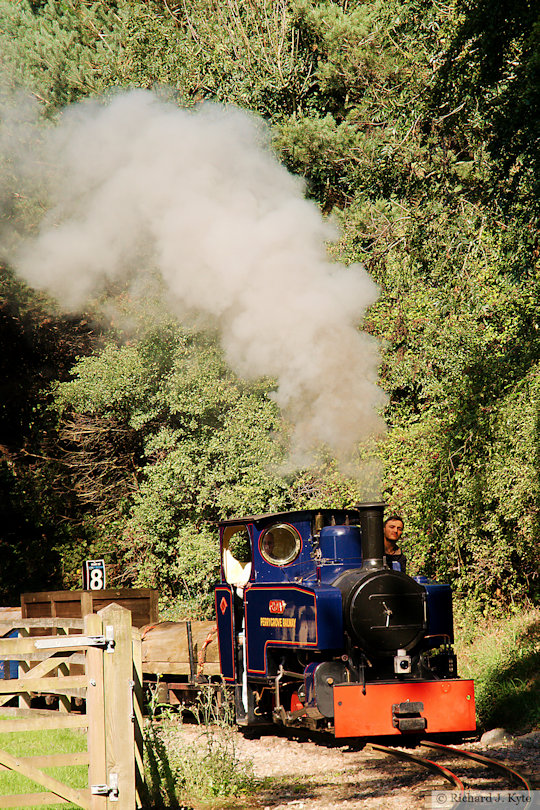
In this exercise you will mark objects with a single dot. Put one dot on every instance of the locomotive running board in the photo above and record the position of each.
(448, 706)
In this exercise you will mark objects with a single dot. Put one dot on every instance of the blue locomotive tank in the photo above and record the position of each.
(439, 609)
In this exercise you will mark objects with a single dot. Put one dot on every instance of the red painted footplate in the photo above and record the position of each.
(448, 707)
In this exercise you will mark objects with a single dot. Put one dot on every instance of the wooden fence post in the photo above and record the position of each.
(95, 710)
(119, 707)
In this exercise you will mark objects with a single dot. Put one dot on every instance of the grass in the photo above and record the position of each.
(35, 743)
(503, 657)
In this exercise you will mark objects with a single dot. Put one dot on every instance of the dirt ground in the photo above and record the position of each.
(311, 774)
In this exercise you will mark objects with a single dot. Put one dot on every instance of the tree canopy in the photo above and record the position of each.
(415, 127)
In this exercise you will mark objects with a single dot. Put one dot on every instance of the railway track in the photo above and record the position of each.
(460, 783)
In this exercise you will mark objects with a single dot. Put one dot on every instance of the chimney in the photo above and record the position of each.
(371, 525)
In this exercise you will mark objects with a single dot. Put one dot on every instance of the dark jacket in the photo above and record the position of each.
(397, 562)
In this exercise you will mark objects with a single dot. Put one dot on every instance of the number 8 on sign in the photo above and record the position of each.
(96, 579)
(94, 575)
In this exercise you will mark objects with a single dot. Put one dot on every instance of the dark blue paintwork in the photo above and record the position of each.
(293, 617)
(301, 521)
(226, 628)
(342, 544)
(10, 669)
(340, 550)
(265, 572)
(439, 608)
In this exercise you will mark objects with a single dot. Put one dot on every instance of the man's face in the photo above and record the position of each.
(393, 531)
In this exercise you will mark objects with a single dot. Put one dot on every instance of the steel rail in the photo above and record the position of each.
(434, 767)
(487, 761)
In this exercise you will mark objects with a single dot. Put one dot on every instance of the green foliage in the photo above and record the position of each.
(461, 368)
(37, 346)
(416, 126)
(61, 50)
(503, 658)
(118, 377)
(490, 73)
(327, 485)
(207, 448)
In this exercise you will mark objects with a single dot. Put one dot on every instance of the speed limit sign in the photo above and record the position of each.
(94, 575)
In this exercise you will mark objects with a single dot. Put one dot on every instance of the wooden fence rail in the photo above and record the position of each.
(99, 662)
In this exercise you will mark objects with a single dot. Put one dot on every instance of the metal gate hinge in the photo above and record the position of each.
(110, 790)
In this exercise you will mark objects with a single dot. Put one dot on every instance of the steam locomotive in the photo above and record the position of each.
(315, 630)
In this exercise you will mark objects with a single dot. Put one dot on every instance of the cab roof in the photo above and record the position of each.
(339, 516)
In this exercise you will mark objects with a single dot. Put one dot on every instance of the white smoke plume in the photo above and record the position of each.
(199, 195)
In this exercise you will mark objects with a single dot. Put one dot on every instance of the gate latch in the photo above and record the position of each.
(105, 642)
(110, 790)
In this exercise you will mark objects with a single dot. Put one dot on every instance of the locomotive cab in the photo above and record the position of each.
(315, 630)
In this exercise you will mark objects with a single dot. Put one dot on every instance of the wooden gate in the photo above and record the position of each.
(97, 659)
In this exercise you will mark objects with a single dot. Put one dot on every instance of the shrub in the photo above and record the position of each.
(503, 657)
(205, 768)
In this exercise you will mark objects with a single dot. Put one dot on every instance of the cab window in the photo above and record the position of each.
(280, 544)
(237, 555)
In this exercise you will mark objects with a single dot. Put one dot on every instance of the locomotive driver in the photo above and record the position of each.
(393, 529)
